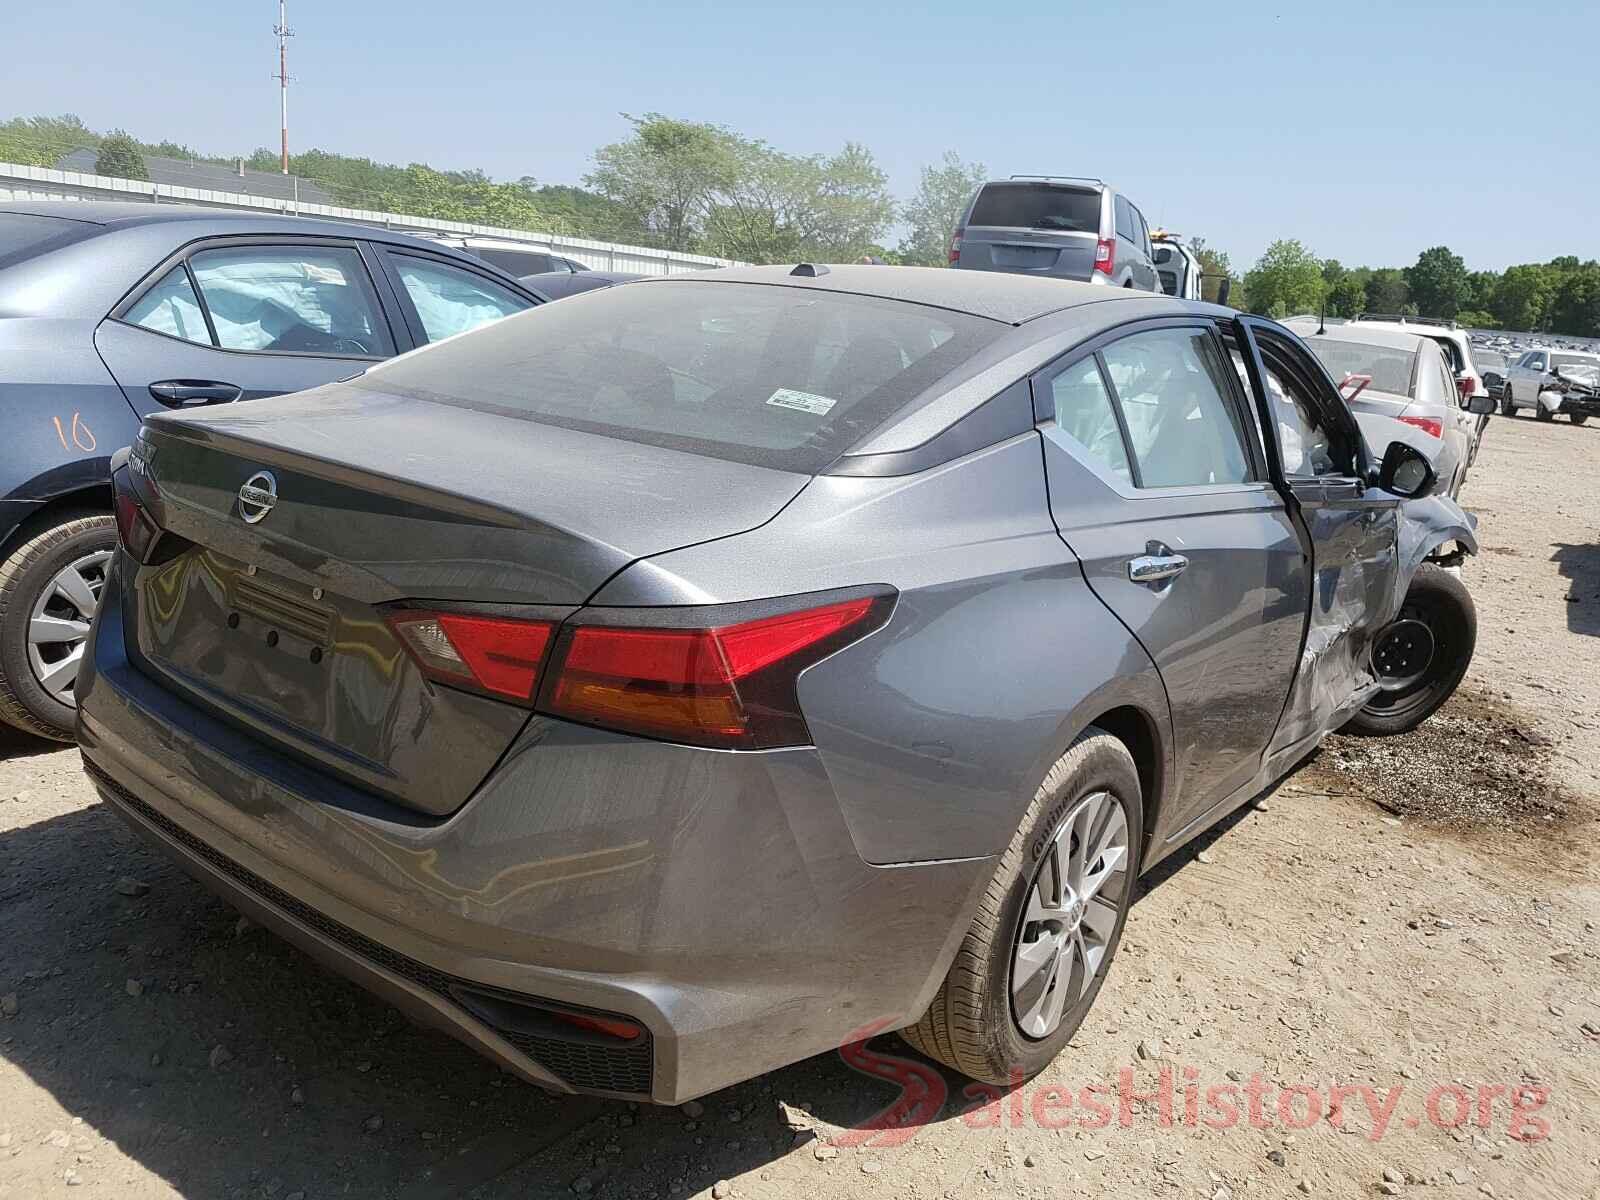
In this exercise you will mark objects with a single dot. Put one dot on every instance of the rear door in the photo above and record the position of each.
(1033, 228)
(241, 318)
(1351, 528)
(1160, 491)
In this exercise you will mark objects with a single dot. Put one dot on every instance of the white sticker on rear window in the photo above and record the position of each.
(803, 401)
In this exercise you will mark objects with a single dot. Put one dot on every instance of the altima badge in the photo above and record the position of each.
(257, 496)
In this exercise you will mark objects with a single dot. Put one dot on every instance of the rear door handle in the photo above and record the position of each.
(182, 392)
(1153, 568)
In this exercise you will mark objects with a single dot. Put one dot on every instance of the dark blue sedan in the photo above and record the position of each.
(109, 311)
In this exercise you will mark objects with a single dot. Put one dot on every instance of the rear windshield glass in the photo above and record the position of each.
(783, 377)
(22, 234)
(1389, 367)
(1037, 206)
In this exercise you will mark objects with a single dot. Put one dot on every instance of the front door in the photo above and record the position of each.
(238, 319)
(1160, 492)
(1351, 529)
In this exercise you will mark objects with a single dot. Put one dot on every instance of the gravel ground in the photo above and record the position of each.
(1415, 917)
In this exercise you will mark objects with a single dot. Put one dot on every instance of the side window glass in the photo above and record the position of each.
(449, 300)
(1172, 389)
(172, 308)
(1124, 220)
(292, 300)
(1536, 363)
(1084, 413)
(1303, 437)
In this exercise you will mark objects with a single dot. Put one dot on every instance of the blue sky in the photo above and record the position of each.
(1367, 130)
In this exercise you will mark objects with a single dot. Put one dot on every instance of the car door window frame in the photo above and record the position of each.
(182, 255)
(1320, 390)
(407, 307)
(1131, 489)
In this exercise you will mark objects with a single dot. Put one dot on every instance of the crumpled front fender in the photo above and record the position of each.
(1427, 523)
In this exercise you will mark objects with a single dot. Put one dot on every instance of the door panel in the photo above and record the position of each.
(1351, 528)
(140, 357)
(1225, 631)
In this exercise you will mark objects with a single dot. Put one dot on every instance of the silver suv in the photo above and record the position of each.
(1059, 226)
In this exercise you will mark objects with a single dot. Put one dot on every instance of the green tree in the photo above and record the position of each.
(933, 212)
(1388, 292)
(1214, 268)
(42, 141)
(1286, 279)
(778, 207)
(1575, 304)
(120, 157)
(1522, 297)
(667, 175)
(1348, 296)
(1480, 291)
(1476, 318)
(1438, 282)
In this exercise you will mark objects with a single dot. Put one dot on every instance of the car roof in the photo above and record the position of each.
(115, 214)
(1377, 334)
(995, 295)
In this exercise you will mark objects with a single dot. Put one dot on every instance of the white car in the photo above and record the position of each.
(1453, 341)
(1532, 381)
(1408, 381)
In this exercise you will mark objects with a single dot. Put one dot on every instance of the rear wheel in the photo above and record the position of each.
(49, 587)
(1421, 656)
(1048, 925)
(1579, 418)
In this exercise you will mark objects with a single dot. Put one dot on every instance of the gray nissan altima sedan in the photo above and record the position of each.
(665, 685)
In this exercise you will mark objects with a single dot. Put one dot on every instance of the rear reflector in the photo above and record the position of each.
(1432, 426)
(490, 654)
(955, 248)
(729, 686)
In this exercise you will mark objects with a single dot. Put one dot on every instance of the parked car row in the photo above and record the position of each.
(651, 687)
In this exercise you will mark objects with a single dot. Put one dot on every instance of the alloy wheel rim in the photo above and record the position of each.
(58, 627)
(1074, 900)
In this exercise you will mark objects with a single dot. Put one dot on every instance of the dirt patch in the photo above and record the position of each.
(1478, 761)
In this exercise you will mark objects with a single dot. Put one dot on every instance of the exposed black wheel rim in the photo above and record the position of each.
(1417, 654)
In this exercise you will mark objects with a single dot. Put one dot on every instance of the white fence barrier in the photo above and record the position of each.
(19, 182)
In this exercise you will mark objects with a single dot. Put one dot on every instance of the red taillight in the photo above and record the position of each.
(1105, 256)
(489, 654)
(136, 528)
(1432, 426)
(730, 686)
(955, 248)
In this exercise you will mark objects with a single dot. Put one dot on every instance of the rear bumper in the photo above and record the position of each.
(715, 898)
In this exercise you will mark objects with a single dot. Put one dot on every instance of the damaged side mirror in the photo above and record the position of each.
(1406, 471)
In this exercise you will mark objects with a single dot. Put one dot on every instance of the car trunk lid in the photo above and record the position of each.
(278, 623)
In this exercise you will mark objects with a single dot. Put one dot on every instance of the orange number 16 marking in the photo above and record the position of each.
(82, 438)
